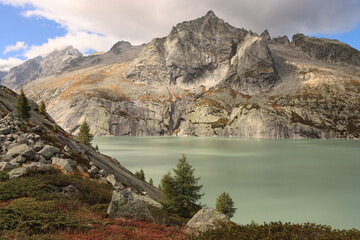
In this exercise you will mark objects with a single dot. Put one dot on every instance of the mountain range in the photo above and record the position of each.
(206, 78)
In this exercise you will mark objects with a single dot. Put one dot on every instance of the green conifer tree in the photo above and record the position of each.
(55, 128)
(151, 182)
(23, 107)
(42, 107)
(140, 174)
(225, 205)
(182, 191)
(84, 134)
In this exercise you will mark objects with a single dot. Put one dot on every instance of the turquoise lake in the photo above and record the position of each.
(293, 181)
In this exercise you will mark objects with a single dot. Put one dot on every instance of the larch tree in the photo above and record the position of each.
(23, 107)
(84, 135)
(225, 205)
(182, 191)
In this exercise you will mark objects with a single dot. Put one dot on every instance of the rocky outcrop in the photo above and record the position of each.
(204, 220)
(39, 67)
(125, 204)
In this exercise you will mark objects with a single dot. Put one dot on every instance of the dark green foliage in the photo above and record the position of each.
(36, 216)
(151, 182)
(55, 128)
(182, 191)
(277, 230)
(23, 107)
(42, 107)
(225, 205)
(84, 135)
(140, 174)
(97, 147)
(39, 186)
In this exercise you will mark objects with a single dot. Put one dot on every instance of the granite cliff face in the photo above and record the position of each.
(40, 67)
(207, 78)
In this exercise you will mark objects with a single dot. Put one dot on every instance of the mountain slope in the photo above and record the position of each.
(39, 67)
(207, 78)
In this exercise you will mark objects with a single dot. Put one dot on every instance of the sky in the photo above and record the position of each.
(31, 28)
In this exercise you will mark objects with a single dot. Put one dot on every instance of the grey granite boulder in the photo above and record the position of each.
(48, 151)
(126, 204)
(205, 219)
(67, 164)
(38, 146)
(112, 180)
(22, 149)
(5, 130)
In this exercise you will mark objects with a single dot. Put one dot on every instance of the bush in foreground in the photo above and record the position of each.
(278, 231)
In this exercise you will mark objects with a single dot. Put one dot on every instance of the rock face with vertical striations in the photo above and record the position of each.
(208, 78)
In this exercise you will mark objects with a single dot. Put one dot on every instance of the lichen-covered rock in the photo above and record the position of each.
(125, 204)
(22, 150)
(48, 151)
(38, 146)
(67, 164)
(205, 219)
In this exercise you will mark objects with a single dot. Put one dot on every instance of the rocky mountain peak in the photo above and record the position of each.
(120, 47)
(328, 50)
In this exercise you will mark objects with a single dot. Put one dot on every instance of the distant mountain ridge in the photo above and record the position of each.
(40, 67)
(208, 78)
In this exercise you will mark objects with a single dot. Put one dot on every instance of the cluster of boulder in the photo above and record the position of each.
(21, 149)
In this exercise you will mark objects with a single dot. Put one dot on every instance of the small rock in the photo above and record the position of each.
(66, 148)
(37, 128)
(112, 180)
(103, 172)
(2, 138)
(6, 166)
(18, 160)
(93, 170)
(5, 130)
(102, 180)
(22, 140)
(38, 146)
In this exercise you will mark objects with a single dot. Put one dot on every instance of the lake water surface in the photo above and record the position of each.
(293, 181)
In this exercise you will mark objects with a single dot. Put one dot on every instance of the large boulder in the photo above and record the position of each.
(48, 151)
(126, 204)
(22, 150)
(204, 220)
(67, 164)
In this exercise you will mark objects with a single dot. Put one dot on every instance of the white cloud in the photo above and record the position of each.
(14, 48)
(82, 41)
(7, 64)
(139, 21)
